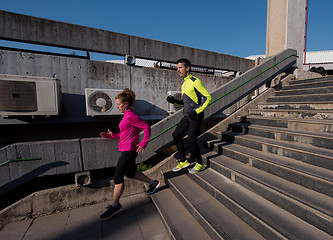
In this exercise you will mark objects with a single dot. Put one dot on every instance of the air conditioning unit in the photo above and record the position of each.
(101, 101)
(29, 96)
(172, 107)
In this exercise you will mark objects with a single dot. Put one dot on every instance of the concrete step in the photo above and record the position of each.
(293, 113)
(320, 126)
(323, 140)
(297, 105)
(316, 156)
(289, 92)
(214, 217)
(306, 175)
(303, 84)
(299, 202)
(179, 223)
(302, 98)
(311, 80)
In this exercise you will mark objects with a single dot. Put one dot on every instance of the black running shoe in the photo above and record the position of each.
(153, 186)
(111, 212)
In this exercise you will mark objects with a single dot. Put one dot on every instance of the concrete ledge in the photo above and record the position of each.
(71, 196)
(53, 157)
(19, 27)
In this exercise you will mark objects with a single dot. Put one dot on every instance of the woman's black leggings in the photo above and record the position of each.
(191, 127)
(125, 166)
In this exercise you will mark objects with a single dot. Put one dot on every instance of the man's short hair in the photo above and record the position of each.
(185, 61)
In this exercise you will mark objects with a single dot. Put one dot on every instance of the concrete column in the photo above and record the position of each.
(285, 27)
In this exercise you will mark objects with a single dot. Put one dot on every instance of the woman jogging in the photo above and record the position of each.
(129, 147)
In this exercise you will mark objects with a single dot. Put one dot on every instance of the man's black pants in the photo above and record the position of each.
(190, 127)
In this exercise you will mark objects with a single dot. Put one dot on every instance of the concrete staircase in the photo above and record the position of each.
(270, 175)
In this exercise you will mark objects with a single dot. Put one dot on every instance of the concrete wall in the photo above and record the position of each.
(276, 26)
(30, 29)
(285, 27)
(150, 84)
(296, 28)
(53, 157)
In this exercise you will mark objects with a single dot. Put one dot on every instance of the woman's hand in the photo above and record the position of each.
(106, 134)
(139, 149)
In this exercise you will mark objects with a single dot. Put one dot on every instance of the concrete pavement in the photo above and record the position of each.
(138, 220)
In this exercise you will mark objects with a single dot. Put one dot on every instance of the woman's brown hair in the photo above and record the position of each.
(128, 96)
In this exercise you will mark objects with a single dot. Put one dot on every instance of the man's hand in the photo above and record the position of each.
(171, 99)
(106, 134)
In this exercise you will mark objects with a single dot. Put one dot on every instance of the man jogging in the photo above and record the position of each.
(195, 99)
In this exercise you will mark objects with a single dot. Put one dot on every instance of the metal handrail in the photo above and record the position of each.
(19, 159)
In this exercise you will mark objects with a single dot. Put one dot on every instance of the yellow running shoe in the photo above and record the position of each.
(197, 168)
(180, 166)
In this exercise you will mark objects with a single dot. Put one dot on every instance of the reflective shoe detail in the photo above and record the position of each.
(111, 212)
(153, 186)
(197, 168)
(180, 166)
